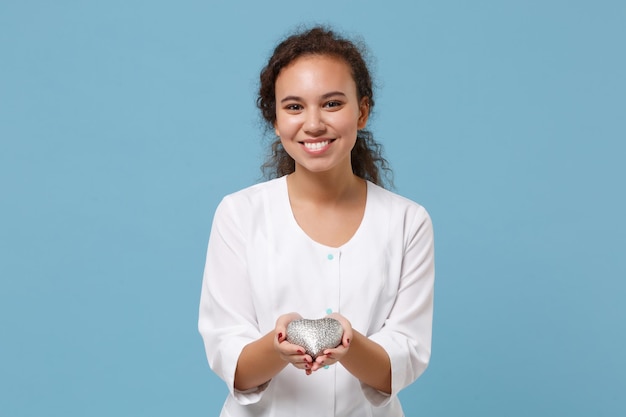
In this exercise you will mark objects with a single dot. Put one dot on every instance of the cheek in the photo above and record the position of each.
(345, 120)
(286, 127)
(347, 127)
(289, 145)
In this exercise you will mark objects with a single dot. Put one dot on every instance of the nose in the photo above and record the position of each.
(314, 124)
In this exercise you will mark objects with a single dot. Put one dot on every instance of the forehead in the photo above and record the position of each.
(316, 72)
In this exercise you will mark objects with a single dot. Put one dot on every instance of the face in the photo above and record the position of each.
(318, 113)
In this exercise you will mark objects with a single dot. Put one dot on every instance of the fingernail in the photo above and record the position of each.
(280, 335)
(300, 352)
(348, 341)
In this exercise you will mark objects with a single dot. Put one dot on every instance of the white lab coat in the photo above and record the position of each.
(260, 264)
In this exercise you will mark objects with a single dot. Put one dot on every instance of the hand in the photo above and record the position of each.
(332, 356)
(289, 352)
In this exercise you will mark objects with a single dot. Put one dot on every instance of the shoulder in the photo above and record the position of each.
(399, 215)
(255, 194)
(394, 204)
(250, 202)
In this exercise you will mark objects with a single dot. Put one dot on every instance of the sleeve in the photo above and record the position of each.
(407, 332)
(227, 320)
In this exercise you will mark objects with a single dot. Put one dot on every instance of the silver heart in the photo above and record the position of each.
(315, 335)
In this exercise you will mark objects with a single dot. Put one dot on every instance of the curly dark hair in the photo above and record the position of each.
(366, 156)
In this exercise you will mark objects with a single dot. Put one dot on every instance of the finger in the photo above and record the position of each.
(336, 353)
(347, 337)
(305, 357)
(299, 359)
(323, 364)
(322, 359)
(328, 361)
(281, 324)
(332, 353)
(290, 349)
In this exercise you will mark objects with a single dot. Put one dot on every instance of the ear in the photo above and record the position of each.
(364, 112)
(276, 129)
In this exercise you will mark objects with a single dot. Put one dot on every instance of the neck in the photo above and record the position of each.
(326, 187)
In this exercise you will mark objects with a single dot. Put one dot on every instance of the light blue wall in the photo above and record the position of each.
(123, 123)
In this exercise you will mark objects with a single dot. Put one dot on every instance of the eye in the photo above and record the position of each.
(293, 107)
(333, 104)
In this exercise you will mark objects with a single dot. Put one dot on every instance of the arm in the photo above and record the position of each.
(262, 359)
(258, 363)
(236, 350)
(369, 362)
(362, 357)
(227, 318)
(407, 331)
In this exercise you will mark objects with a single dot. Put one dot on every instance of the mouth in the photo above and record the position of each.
(317, 145)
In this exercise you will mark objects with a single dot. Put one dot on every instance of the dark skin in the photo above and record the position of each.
(319, 105)
(261, 360)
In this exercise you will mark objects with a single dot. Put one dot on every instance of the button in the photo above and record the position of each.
(329, 311)
(330, 257)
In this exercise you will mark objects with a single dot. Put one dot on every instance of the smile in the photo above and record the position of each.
(316, 146)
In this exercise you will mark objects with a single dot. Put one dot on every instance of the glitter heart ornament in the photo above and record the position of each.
(315, 336)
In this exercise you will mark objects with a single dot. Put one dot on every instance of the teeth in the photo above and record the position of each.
(316, 146)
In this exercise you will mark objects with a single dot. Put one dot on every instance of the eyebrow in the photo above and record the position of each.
(325, 96)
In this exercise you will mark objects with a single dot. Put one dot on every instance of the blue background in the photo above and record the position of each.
(123, 123)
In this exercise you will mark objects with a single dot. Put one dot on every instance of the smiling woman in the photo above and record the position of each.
(322, 237)
(367, 160)
(318, 114)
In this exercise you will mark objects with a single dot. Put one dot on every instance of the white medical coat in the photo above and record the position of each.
(260, 264)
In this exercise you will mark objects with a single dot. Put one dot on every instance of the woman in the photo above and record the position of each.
(322, 238)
